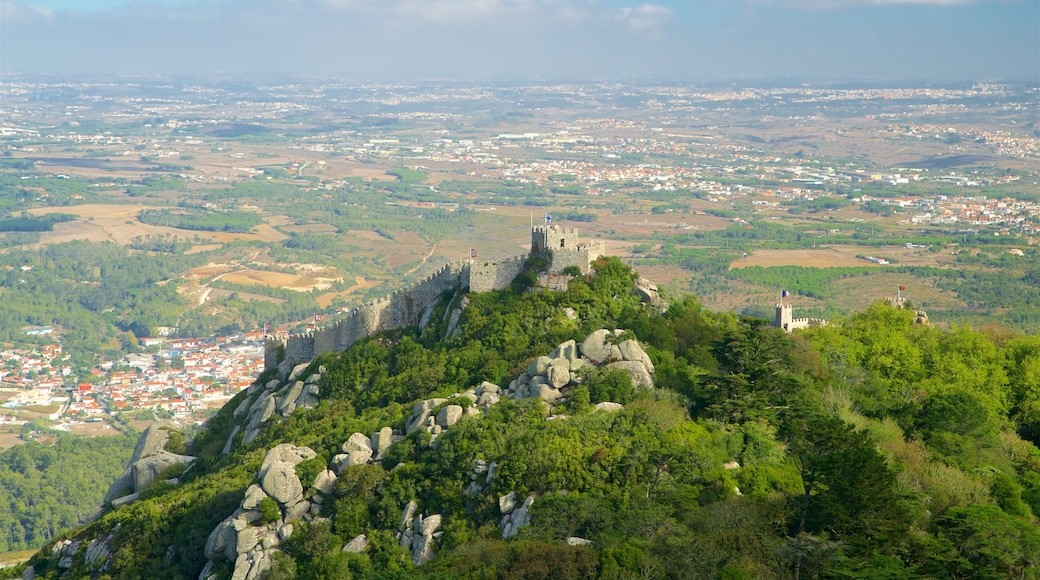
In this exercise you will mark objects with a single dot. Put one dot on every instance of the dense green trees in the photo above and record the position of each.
(46, 488)
(871, 447)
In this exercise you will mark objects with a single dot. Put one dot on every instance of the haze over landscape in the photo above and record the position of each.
(498, 289)
(582, 40)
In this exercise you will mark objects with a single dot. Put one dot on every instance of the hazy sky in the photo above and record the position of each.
(665, 40)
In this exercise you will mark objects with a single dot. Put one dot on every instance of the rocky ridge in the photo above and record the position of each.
(249, 538)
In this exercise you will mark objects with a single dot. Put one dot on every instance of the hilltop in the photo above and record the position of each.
(581, 433)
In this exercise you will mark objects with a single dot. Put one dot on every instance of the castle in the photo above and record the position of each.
(413, 305)
(786, 321)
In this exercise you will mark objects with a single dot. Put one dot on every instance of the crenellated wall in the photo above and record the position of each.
(786, 321)
(488, 276)
(406, 306)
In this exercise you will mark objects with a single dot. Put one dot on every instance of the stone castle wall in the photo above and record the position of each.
(488, 276)
(405, 307)
(411, 305)
(786, 321)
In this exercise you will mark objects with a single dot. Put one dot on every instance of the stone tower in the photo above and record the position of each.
(549, 239)
(784, 317)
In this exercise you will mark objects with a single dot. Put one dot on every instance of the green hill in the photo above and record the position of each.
(872, 447)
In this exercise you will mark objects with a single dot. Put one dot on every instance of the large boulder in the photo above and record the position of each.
(421, 413)
(567, 350)
(358, 545)
(287, 404)
(647, 293)
(630, 350)
(220, 538)
(381, 441)
(254, 495)
(325, 481)
(597, 349)
(148, 469)
(357, 442)
(559, 373)
(638, 372)
(288, 453)
(449, 415)
(538, 366)
(149, 459)
(422, 540)
(279, 481)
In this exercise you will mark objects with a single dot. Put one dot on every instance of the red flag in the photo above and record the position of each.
(901, 287)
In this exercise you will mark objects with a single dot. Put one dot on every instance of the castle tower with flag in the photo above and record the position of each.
(785, 319)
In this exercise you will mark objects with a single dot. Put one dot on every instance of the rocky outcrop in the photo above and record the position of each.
(149, 461)
(647, 293)
(549, 378)
(418, 533)
(243, 537)
(513, 518)
(357, 545)
(278, 398)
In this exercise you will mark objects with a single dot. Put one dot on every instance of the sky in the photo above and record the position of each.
(707, 41)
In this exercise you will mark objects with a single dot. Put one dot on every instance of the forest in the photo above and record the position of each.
(872, 447)
(46, 487)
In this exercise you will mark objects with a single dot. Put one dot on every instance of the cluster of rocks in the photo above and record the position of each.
(360, 448)
(418, 533)
(437, 415)
(150, 459)
(244, 537)
(647, 293)
(549, 377)
(64, 551)
(481, 477)
(281, 396)
(513, 517)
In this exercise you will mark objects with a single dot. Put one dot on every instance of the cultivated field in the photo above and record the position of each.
(841, 256)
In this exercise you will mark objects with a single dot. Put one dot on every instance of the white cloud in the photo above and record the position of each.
(14, 11)
(644, 17)
(553, 12)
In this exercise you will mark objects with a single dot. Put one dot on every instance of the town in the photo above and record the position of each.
(181, 379)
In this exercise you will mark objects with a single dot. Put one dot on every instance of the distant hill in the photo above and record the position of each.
(531, 433)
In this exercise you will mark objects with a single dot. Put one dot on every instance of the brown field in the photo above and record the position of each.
(264, 233)
(309, 228)
(208, 271)
(326, 300)
(274, 279)
(407, 247)
(118, 223)
(823, 258)
(9, 437)
(213, 293)
(841, 256)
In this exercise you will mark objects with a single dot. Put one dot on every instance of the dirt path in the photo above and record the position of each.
(422, 262)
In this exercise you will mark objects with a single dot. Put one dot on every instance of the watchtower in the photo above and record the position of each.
(549, 239)
(784, 317)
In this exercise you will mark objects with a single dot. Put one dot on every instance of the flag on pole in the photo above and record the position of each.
(473, 253)
(783, 293)
(548, 218)
(267, 328)
(317, 317)
(901, 287)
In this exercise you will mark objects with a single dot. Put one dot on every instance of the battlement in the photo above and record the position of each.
(562, 248)
(786, 321)
(413, 304)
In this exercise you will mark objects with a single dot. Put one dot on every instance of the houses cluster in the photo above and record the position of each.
(183, 375)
